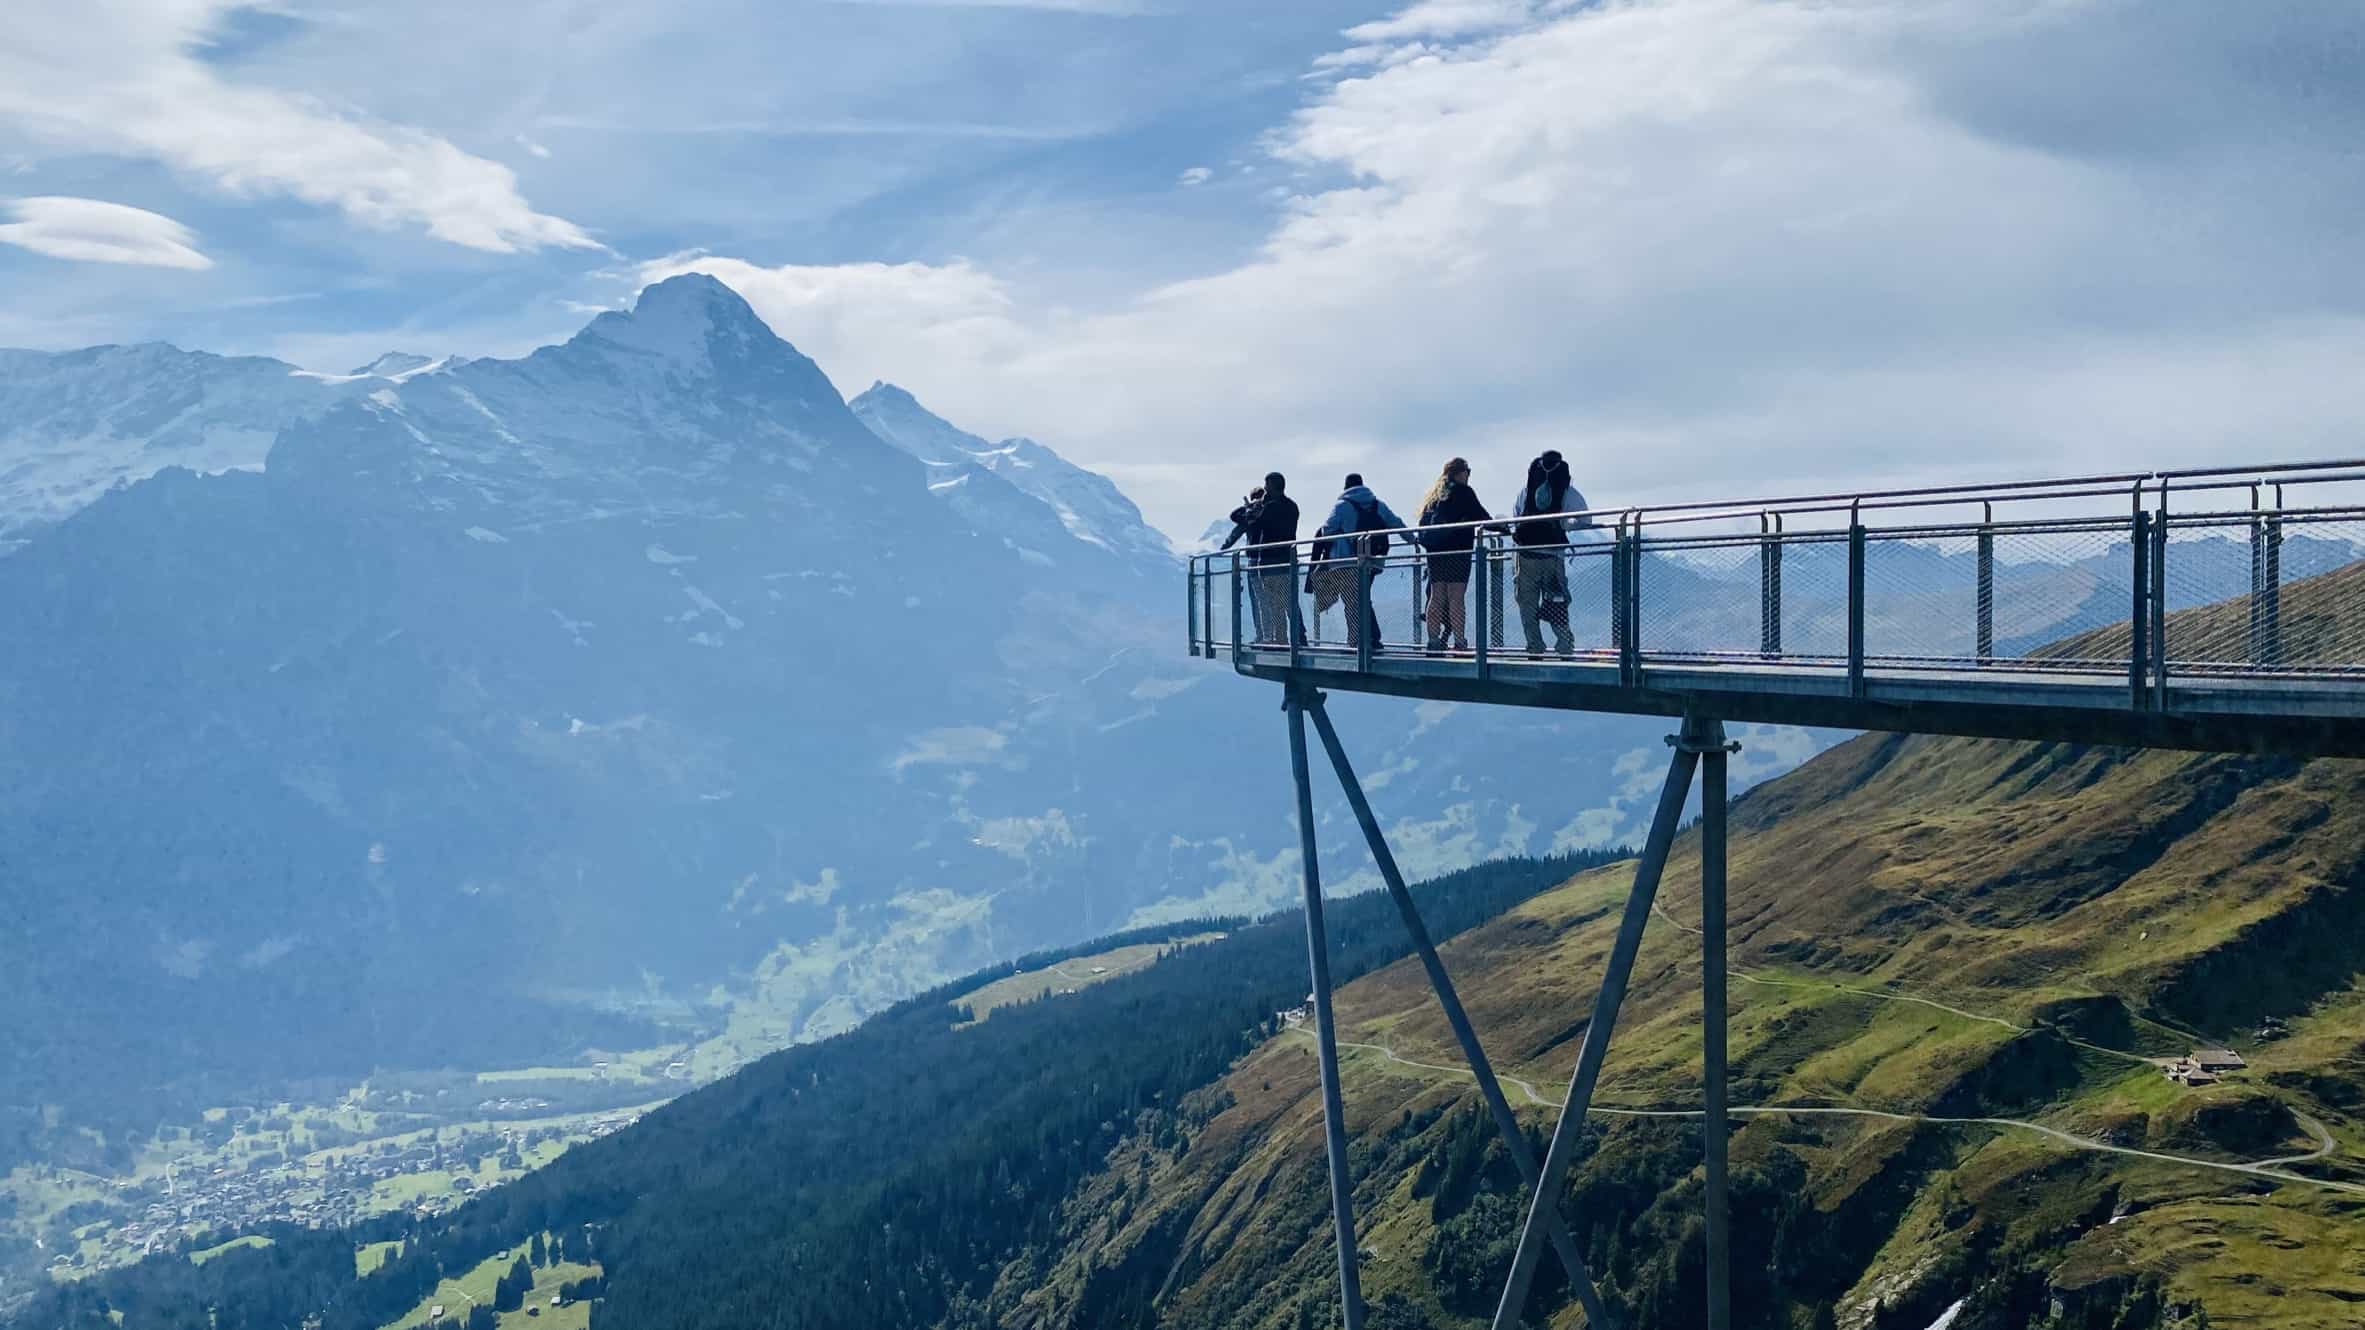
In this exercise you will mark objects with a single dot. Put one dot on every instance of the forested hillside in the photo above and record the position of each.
(1952, 961)
(883, 1177)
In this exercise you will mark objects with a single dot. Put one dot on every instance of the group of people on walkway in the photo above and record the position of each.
(1547, 509)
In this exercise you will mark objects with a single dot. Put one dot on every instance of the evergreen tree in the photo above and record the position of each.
(540, 1251)
(509, 1293)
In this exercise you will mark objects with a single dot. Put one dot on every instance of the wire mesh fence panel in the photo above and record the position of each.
(2208, 585)
(1341, 598)
(1811, 597)
(1922, 598)
(1446, 585)
(1703, 598)
(1549, 600)
(2064, 595)
(2265, 593)
(1398, 594)
(2319, 620)
(1592, 596)
(1265, 593)
(1555, 599)
(1325, 589)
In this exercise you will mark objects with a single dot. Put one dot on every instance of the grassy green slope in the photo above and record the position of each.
(1923, 927)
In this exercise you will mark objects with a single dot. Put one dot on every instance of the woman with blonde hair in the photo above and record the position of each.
(1450, 500)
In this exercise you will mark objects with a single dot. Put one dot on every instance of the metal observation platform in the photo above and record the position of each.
(2210, 610)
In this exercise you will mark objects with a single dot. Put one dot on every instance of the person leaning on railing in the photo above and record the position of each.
(1357, 524)
(1450, 500)
(1268, 522)
(1542, 585)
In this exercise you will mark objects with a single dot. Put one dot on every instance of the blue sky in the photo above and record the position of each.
(1742, 243)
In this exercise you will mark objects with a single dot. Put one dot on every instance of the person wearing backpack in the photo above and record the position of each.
(1449, 501)
(1542, 584)
(1358, 521)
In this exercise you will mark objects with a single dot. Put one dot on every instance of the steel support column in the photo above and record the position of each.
(1605, 1019)
(1714, 1132)
(1489, 1088)
(1342, 1191)
(1986, 627)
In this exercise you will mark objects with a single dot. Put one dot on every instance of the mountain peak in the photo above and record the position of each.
(685, 317)
(404, 365)
(692, 291)
(395, 362)
(888, 394)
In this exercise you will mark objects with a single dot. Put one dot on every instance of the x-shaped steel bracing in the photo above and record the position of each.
(1700, 747)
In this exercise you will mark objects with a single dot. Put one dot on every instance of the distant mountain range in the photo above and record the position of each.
(463, 712)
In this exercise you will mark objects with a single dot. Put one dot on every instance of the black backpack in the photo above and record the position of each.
(1367, 518)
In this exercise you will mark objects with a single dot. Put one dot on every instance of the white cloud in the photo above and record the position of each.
(865, 321)
(1740, 245)
(1197, 175)
(99, 232)
(121, 76)
(1119, 8)
(1444, 18)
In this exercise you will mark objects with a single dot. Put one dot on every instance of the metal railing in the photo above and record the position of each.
(2144, 578)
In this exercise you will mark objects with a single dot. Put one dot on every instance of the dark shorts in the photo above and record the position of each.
(1449, 567)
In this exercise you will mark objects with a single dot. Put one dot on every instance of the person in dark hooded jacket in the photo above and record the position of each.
(1450, 500)
(1542, 585)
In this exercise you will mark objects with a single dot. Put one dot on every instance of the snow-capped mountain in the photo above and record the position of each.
(73, 424)
(643, 645)
(1089, 505)
(511, 697)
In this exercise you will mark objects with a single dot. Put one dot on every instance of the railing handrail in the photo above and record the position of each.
(2136, 546)
(2106, 485)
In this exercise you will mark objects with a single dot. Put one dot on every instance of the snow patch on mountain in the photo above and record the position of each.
(1089, 505)
(75, 424)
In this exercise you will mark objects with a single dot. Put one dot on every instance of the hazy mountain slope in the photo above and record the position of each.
(2050, 894)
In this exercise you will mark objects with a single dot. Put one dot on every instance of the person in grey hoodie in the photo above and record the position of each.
(1357, 513)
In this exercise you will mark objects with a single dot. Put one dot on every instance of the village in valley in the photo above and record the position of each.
(186, 1203)
(422, 1143)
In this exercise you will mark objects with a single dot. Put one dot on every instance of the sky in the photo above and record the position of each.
(1703, 247)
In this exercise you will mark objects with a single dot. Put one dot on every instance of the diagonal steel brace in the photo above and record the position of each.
(1514, 1141)
(1605, 1018)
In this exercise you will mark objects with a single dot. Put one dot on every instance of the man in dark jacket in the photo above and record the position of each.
(1269, 525)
